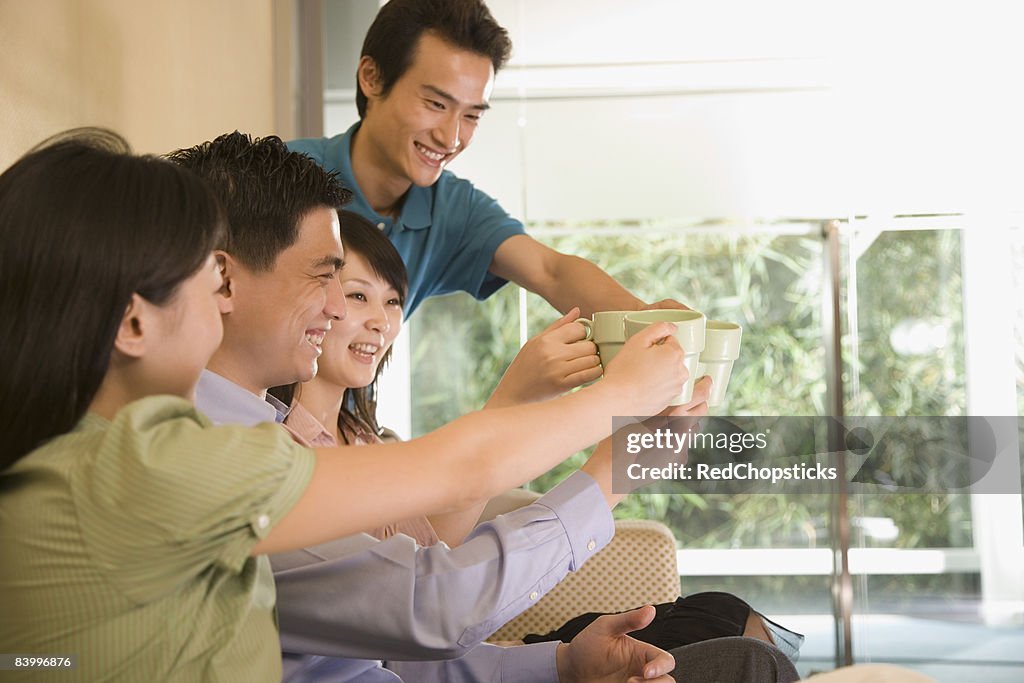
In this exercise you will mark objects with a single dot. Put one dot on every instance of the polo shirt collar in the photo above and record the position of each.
(416, 209)
(224, 402)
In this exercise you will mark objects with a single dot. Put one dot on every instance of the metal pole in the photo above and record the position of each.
(842, 581)
(310, 119)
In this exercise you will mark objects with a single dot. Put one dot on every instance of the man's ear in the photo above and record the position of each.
(368, 75)
(228, 268)
(131, 333)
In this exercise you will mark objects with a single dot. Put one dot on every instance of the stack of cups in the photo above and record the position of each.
(711, 346)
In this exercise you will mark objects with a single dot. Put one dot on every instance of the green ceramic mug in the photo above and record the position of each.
(608, 331)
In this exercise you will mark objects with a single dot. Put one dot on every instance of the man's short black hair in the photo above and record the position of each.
(395, 33)
(266, 190)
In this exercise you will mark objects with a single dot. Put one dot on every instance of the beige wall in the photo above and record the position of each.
(165, 74)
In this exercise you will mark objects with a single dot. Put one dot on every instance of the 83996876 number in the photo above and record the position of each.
(19, 661)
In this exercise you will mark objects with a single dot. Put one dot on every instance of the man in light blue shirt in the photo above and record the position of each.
(344, 603)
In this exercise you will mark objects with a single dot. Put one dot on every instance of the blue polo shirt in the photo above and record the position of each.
(447, 233)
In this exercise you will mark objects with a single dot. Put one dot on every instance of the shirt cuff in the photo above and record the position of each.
(530, 663)
(583, 511)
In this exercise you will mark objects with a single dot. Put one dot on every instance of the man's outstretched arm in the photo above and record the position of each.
(563, 280)
(436, 602)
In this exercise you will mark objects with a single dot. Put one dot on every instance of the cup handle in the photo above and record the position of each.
(588, 325)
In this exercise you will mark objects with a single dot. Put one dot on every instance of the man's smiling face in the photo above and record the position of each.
(431, 112)
(280, 316)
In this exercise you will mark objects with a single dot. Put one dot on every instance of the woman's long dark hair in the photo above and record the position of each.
(84, 225)
(360, 236)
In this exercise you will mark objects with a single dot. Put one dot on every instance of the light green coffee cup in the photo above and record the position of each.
(721, 349)
(608, 331)
(689, 333)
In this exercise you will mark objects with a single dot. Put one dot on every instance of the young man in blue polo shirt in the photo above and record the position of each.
(423, 83)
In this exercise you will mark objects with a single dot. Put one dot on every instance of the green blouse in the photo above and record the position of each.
(127, 544)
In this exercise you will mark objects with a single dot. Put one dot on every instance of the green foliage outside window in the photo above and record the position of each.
(772, 284)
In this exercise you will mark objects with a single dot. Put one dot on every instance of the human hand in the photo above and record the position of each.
(556, 360)
(696, 408)
(698, 405)
(666, 453)
(663, 304)
(601, 466)
(603, 653)
(648, 371)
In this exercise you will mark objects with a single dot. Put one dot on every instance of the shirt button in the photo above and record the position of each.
(534, 595)
(381, 226)
(591, 545)
(263, 521)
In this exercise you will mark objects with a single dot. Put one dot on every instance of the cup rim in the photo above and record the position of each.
(692, 315)
(723, 325)
(622, 313)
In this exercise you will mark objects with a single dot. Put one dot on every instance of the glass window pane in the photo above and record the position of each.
(905, 355)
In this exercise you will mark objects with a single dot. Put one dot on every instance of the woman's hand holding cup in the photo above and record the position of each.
(649, 371)
(558, 359)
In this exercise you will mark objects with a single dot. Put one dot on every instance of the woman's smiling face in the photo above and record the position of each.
(355, 346)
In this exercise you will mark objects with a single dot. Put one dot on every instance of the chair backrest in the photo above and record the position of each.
(637, 568)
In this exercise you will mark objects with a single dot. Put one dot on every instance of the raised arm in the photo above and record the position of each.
(563, 280)
(548, 365)
(478, 455)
